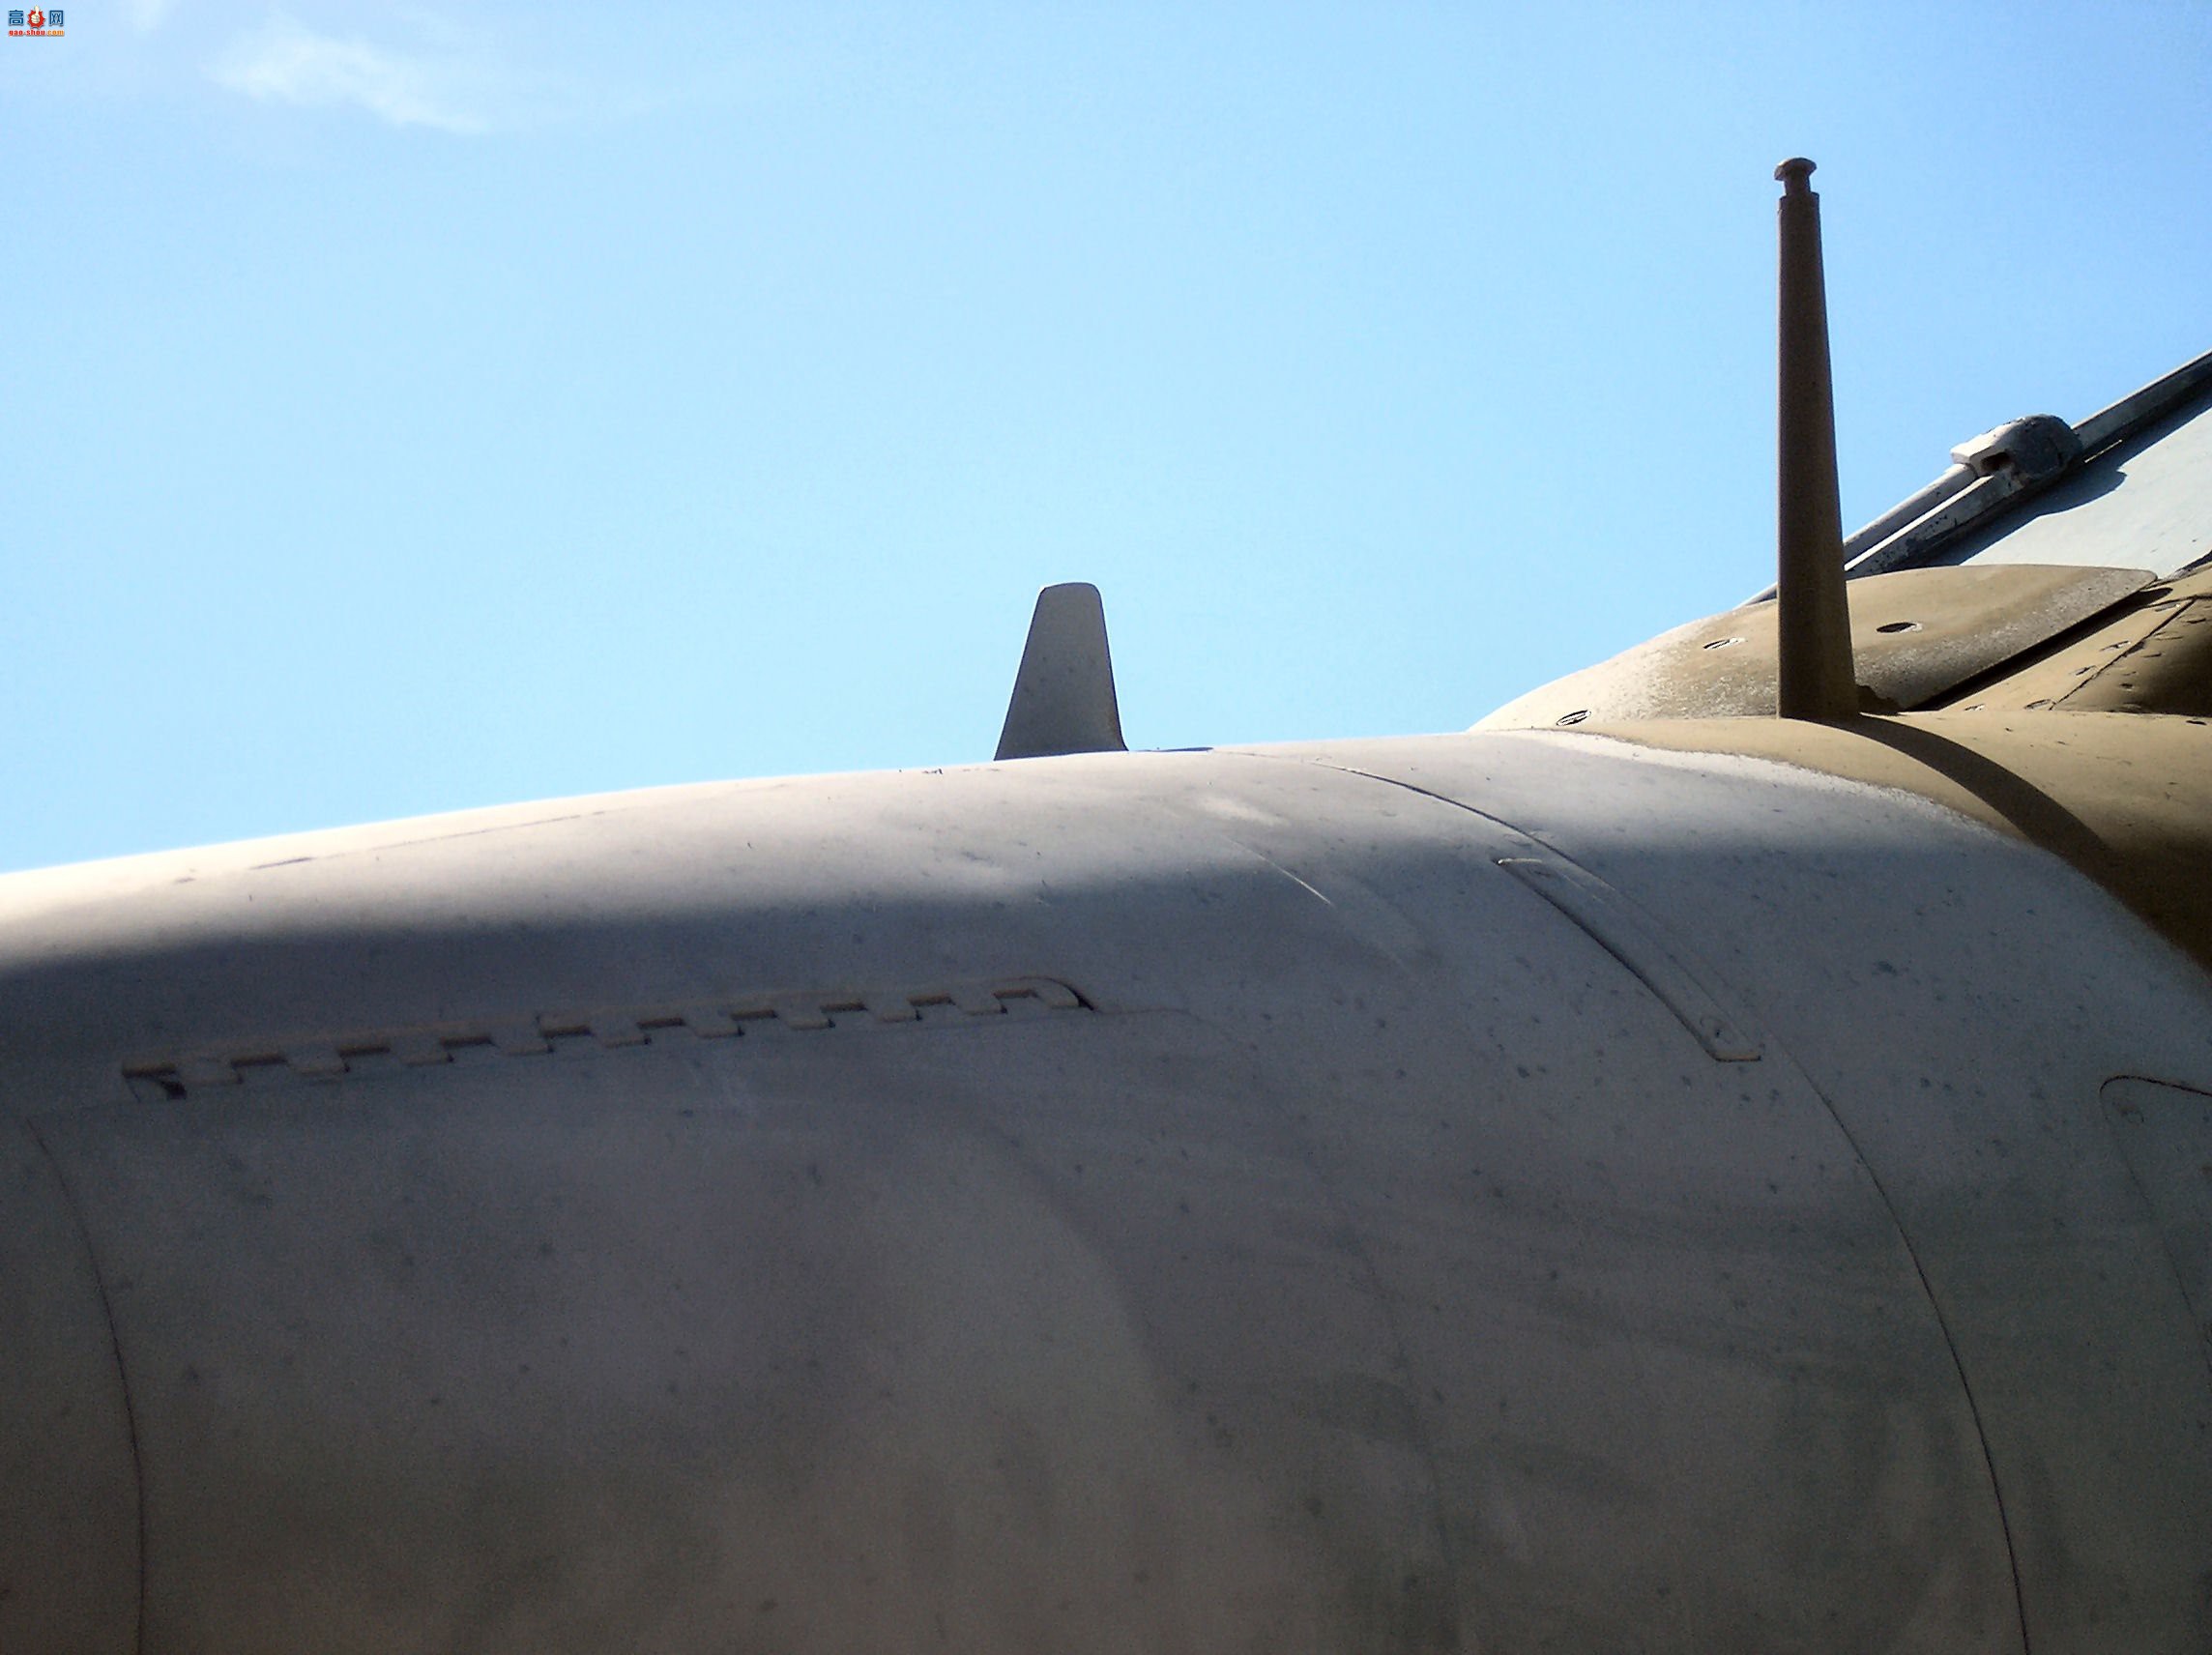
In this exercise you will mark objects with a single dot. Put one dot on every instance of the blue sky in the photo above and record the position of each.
(415, 407)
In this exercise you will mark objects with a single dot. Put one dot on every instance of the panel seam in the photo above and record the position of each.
(122, 1374)
(1881, 1192)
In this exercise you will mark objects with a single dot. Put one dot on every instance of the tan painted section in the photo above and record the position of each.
(1916, 634)
(2124, 796)
(2155, 656)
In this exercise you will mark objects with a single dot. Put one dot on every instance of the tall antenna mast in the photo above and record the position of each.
(1813, 617)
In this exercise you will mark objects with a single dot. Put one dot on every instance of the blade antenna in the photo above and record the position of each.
(1813, 613)
(1063, 699)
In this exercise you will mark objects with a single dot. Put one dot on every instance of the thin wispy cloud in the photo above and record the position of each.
(442, 88)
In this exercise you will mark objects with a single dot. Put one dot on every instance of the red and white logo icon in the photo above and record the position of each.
(37, 19)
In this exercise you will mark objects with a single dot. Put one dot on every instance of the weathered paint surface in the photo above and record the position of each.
(69, 1495)
(1916, 634)
(2125, 798)
(1376, 1257)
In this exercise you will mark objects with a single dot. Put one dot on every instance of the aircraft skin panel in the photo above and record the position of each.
(68, 1485)
(2147, 495)
(1962, 1038)
(2125, 799)
(1363, 1254)
(2165, 1134)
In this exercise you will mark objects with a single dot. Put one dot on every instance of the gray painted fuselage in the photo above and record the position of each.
(1501, 1191)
